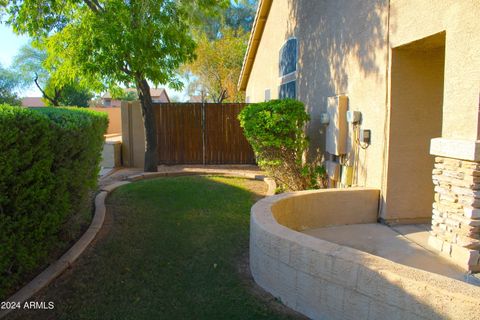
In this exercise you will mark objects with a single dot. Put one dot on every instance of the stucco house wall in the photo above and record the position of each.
(412, 68)
(413, 20)
(347, 48)
(341, 51)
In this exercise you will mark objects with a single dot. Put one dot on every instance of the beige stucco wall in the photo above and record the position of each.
(345, 47)
(312, 209)
(264, 74)
(412, 20)
(415, 118)
(133, 135)
(114, 119)
(341, 50)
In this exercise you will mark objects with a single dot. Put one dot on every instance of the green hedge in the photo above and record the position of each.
(275, 129)
(49, 160)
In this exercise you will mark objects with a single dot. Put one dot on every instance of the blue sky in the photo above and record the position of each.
(11, 43)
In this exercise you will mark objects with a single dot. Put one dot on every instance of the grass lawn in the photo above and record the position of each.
(172, 248)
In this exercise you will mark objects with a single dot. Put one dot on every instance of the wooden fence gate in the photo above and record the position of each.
(197, 133)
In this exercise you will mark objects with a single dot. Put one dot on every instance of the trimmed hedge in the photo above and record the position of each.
(49, 160)
(275, 130)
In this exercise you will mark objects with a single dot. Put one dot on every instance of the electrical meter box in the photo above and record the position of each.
(336, 131)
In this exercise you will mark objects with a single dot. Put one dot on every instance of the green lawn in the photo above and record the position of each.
(173, 250)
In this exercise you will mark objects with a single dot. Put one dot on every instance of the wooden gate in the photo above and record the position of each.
(196, 133)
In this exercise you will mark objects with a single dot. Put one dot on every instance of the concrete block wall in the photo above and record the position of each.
(324, 280)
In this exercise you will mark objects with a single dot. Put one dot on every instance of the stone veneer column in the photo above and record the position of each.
(456, 210)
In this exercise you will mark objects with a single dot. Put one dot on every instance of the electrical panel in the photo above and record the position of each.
(336, 131)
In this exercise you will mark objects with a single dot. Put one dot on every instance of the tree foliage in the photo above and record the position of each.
(239, 15)
(217, 67)
(275, 129)
(9, 82)
(116, 41)
(222, 42)
(30, 64)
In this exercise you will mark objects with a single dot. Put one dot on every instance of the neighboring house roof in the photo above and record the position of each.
(255, 37)
(33, 102)
(159, 95)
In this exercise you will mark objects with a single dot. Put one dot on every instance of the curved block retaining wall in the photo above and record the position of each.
(324, 280)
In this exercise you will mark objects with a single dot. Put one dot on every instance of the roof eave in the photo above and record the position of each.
(254, 41)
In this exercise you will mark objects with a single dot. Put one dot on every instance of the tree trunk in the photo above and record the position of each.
(151, 154)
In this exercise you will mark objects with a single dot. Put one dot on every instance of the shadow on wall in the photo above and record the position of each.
(337, 40)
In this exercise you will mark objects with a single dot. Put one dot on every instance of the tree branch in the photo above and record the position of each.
(53, 100)
(94, 5)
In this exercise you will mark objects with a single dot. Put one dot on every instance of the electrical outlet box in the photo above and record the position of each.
(324, 118)
(354, 116)
(365, 136)
(336, 131)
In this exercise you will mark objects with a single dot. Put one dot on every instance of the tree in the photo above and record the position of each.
(75, 95)
(118, 41)
(222, 42)
(31, 65)
(9, 82)
(217, 67)
(239, 15)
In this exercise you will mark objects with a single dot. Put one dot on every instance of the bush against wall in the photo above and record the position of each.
(49, 160)
(275, 129)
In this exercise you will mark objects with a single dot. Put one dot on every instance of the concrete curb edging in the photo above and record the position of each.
(67, 259)
(228, 173)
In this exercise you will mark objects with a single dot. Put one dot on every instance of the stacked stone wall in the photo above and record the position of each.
(456, 211)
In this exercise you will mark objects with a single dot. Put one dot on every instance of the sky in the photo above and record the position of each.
(10, 43)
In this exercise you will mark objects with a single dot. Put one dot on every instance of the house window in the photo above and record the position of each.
(107, 102)
(288, 69)
(288, 57)
(288, 90)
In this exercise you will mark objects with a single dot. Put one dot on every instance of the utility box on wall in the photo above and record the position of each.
(336, 131)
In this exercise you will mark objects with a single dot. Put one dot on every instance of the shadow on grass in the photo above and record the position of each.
(172, 251)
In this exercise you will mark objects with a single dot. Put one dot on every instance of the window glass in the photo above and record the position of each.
(288, 90)
(288, 57)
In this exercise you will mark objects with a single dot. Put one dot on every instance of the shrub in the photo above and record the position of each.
(275, 129)
(49, 159)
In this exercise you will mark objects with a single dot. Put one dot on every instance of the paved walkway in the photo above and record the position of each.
(404, 244)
